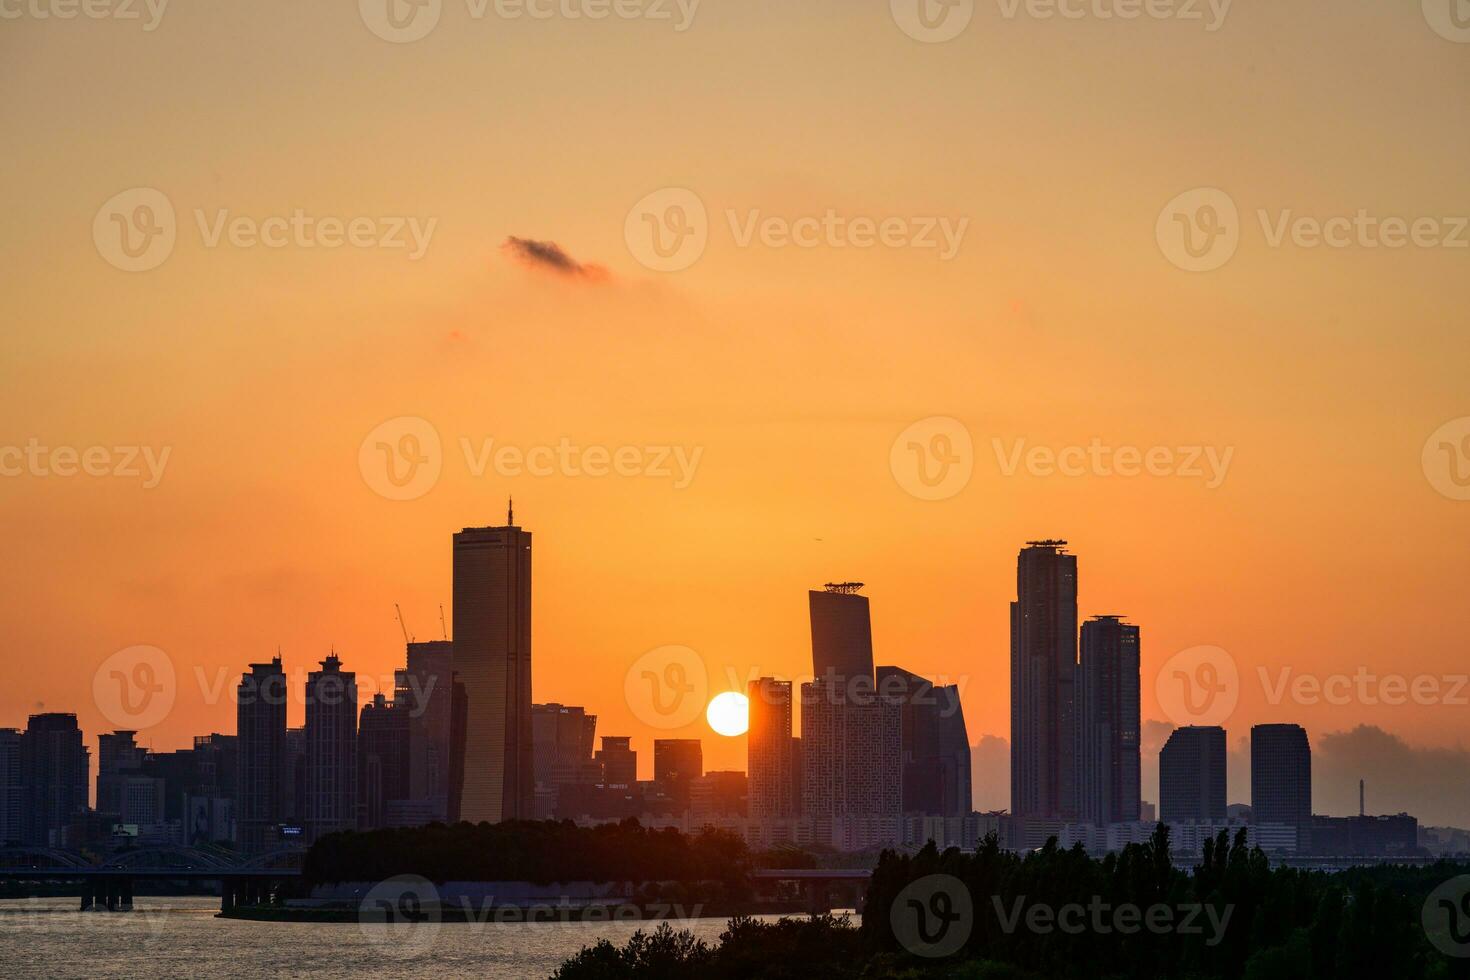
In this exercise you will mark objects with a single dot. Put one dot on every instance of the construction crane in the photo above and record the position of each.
(399, 610)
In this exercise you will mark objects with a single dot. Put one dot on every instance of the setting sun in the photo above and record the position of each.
(729, 713)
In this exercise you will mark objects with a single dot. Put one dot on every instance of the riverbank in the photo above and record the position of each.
(467, 913)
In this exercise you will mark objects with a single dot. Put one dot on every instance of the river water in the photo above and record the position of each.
(180, 937)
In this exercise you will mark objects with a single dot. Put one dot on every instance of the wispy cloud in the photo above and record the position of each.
(551, 257)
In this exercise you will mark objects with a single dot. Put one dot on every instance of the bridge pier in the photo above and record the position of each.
(227, 894)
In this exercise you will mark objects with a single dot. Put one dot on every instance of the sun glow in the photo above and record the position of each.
(729, 713)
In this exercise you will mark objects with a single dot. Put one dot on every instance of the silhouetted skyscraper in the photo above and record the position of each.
(425, 688)
(842, 632)
(851, 738)
(118, 757)
(382, 759)
(331, 749)
(936, 747)
(1192, 775)
(1043, 679)
(492, 659)
(619, 761)
(769, 750)
(260, 718)
(54, 769)
(1281, 777)
(676, 763)
(12, 794)
(1108, 722)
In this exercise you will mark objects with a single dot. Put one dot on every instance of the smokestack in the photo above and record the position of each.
(1362, 811)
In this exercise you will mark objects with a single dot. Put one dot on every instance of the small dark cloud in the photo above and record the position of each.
(551, 257)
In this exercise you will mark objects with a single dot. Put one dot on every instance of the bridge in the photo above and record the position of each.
(107, 882)
(823, 889)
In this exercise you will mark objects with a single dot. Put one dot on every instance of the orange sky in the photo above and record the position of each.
(791, 370)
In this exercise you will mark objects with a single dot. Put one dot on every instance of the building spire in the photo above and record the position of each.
(510, 511)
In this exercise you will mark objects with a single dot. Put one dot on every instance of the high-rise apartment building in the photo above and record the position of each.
(383, 761)
(331, 749)
(1043, 679)
(773, 791)
(12, 796)
(492, 659)
(425, 689)
(54, 769)
(260, 770)
(1108, 756)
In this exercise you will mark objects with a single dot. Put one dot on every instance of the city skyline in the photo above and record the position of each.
(841, 643)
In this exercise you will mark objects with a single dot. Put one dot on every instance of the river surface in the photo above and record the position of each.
(180, 937)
